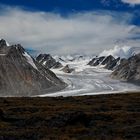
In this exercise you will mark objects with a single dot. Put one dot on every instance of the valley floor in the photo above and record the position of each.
(99, 117)
(89, 80)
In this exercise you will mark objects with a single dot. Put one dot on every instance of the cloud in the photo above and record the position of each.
(109, 3)
(88, 32)
(132, 2)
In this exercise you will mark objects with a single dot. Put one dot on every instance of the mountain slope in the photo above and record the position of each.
(21, 75)
(128, 69)
(124, 62)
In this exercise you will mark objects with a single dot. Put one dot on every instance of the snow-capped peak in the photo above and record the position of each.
(7, 44)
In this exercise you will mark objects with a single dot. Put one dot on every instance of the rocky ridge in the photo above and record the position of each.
(123, 69)
(48, 61)
(109, 62)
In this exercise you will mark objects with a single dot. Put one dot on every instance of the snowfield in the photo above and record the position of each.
(87, 80)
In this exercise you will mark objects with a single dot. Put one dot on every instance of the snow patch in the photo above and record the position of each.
(117, 51)
(7, 44)
(30, 60)
(44, 63)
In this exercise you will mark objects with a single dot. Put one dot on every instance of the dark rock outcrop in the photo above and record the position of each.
(128, 69)
(3, 43)
(57, 65)
(21, 75)
(108, 62)
(96, 61)
(67, 69)
(107, 59)
(48, 61)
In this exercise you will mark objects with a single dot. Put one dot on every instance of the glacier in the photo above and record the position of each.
(87, 80)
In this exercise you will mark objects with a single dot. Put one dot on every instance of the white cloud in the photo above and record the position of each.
(132, 2)
(77, 33)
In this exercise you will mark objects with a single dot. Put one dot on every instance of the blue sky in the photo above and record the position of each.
(74, 26)
(70, 5)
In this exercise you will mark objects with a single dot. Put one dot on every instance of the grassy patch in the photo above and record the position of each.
(101, 117)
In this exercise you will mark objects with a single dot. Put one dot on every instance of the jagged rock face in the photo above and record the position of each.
(108, 59)
(67, 69)
(21, 75)
(48, 61)
(57, 65)
(109, 62)
(128, 69)
(96, 61)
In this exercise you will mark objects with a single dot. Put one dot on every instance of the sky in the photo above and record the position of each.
(70, 26)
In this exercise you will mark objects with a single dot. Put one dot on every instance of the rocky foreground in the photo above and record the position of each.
(102, 117)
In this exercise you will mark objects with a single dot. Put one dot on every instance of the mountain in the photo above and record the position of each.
(71, 58)
(124, 62)
(111, 58)
(128, 69)
(22, 75)
(108, 62)
(112, 63)
(48, 61)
